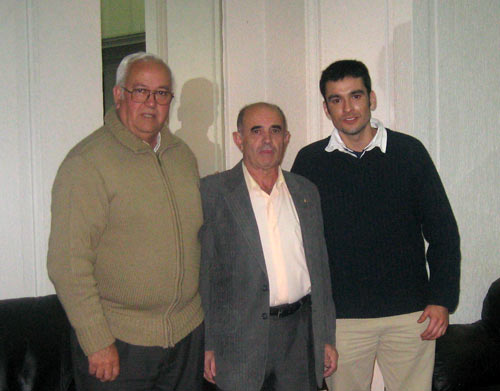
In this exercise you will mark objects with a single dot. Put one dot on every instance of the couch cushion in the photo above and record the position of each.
(34, 345)
(491, 306)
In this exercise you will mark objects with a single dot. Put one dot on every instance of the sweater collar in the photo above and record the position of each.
(131, 141)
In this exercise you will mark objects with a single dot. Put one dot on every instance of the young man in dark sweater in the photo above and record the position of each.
(382, 198)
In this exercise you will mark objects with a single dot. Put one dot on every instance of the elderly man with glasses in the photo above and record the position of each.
(123, 249)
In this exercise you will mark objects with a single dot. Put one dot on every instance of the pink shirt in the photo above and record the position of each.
(281, 239)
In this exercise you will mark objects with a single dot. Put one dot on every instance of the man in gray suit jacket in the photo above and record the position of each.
(265, 282)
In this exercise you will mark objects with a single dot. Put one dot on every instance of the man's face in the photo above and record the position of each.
(146, 119)
(348, 105)
(263, 138)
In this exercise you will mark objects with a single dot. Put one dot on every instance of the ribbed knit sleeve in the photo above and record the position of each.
(79, 213)
(440, 230)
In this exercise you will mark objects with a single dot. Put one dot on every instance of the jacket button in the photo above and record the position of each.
(265, 288)
(264, 316)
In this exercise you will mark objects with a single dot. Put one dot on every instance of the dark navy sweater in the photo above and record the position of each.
(377, 210)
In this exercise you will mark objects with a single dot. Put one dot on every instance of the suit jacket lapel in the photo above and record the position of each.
(238, 201)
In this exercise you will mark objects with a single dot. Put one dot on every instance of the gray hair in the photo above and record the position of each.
(127, 61)
(241, 114)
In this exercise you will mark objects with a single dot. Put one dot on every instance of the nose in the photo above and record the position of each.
(347, 105)
(266, 136)
(150, 100)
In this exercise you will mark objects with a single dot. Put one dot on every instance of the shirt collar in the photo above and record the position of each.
(158, 142)
(252, 184)
(380, 140)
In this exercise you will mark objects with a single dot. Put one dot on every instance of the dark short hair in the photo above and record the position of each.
(241, 114)
(345, 68)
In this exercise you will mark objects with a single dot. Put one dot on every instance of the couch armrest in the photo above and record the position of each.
(467, 358)
(34, 345)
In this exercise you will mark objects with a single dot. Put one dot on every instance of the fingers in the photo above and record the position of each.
(209, 371)
(115, 372)
(105, 372)
(331, 358)
(328, 371)
(422, 317)
(435, 329)
(208, 375)
(105, 364)
(439, 319)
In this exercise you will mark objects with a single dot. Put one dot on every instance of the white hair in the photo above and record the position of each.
(127, 61)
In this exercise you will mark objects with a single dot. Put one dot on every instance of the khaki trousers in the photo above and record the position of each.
(406, 362)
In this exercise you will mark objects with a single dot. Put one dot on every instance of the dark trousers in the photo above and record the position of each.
(290, 356)
(144, 368)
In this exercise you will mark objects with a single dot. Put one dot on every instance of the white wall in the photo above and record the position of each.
(194, 53)
(264, 46)
(435, 67)
(51, 66)
(17, 275)
(457, 96)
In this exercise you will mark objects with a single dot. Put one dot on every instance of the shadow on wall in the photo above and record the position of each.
(197, 113)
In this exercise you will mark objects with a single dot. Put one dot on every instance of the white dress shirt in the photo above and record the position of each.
(281, 239)
(380, 140)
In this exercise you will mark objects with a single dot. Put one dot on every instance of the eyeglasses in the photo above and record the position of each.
(141, 95)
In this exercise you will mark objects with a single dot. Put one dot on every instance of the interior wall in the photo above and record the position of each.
(348, 30)
(51, 65)
(264, 46)
(17, 274)
(194, 54)
(458, 100)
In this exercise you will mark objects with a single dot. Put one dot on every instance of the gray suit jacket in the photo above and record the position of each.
(234, 284)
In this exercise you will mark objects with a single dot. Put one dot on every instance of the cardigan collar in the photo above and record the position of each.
(130, 140)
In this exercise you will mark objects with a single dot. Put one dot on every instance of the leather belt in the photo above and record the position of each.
(281, 311)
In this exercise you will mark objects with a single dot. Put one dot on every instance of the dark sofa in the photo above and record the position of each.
(35, 350)
(34, 345)
(35, 353)
(468, 355)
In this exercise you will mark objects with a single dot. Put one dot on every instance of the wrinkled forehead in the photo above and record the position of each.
(148, 71)
(263, 114)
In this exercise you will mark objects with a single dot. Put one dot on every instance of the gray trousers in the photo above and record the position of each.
(144, 368)
(290, 357)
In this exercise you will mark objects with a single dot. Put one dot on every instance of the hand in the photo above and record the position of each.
(439, 319)
(209, 372)
(331, 358)
(105, 364)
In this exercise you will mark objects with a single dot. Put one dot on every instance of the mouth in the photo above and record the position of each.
(266, 150)
(350, 119)
(148, 115)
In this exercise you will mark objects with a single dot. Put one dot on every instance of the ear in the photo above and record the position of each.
(325, 108)
(117, 95)
(373, 101)
(287, 138)
(238, 140)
